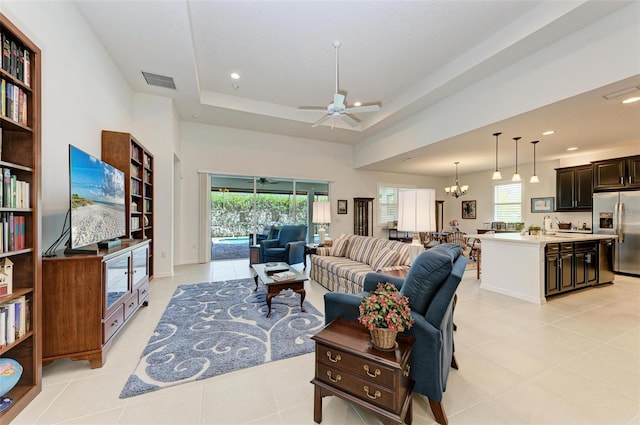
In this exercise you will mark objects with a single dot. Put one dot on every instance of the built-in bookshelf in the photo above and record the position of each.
(124, 152)
(20, 219)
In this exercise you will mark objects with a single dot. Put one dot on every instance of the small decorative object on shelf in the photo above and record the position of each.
(385, 312)
(6, 276)
(10, 372)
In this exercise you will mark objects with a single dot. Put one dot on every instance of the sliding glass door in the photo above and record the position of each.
(244, 206)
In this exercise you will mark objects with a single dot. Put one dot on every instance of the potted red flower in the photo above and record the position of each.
(385, 312)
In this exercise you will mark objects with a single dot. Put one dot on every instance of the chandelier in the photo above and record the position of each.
(456, 190)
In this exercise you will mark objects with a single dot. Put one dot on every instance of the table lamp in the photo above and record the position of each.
(416, 213)
(321, 215)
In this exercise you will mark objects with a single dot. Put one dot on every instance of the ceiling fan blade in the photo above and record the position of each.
(367, 108)
(312, 109)
(350, 120)
(321, 120)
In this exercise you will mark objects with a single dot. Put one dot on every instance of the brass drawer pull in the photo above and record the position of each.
(374, 374)
(407, 370)
(338, 377)
(374, 396)
(333, 360)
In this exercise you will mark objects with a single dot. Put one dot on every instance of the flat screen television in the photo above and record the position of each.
(97, 201)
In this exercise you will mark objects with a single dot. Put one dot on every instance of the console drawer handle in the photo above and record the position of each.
(374, 396)
(374, 374)
(338, 377)
(407, 370)
(333, 360)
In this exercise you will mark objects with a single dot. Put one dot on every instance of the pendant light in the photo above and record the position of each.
(456, 190)
(534, 178)
(496, 174)
(516, 176)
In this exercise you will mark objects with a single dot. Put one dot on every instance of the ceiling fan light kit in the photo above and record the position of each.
(338, 109)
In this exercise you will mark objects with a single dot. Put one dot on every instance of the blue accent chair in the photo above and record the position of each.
(430, 285)
(288, 247)
(269, 232)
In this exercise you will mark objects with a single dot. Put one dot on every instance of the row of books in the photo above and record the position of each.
(12, 232)
(135, 223)
(15, 320)
(14, 102)
(16, 60)
(14, 193)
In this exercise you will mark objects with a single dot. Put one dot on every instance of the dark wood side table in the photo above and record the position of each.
(254, 254)
(349, 367)
(309, 249)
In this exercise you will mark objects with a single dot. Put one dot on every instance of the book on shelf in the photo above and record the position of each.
(16, 59)
(13, 319)
(3, 97)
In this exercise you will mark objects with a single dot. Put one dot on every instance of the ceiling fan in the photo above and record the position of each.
(338, 109)
(264, 180)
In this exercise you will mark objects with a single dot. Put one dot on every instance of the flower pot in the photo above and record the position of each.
(383, 338)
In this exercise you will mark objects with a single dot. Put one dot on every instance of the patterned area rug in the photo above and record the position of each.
(213, 328)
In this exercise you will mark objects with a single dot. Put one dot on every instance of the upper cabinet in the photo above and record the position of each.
(619, 173)
(574, 188)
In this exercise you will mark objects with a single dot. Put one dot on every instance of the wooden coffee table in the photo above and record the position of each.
(274, 287)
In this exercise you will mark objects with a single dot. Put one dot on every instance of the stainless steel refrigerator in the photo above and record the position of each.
(618, 213)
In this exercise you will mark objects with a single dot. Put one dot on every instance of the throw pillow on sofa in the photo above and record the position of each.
(386, 257)
(339, 246)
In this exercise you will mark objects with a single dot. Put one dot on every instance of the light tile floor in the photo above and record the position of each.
(575, 360)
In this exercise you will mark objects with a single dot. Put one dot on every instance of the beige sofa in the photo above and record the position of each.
(343, 266)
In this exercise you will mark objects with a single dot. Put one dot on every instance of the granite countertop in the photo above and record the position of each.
(543, 239)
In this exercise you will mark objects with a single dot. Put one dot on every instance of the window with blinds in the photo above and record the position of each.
(387, 204)
(507, 202)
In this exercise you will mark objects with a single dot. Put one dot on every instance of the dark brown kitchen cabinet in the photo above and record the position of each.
(570, 266)
(574, 188)
(618, 173)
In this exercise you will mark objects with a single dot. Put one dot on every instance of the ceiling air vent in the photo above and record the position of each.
(159, 80)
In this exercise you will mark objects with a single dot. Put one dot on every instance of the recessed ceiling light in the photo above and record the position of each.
(235, 75)
(573, 148)
(631, 100)
(357, 104)
(196, 116)
(548, 133)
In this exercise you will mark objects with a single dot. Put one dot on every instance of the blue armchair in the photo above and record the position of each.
(269, 232)
(288, 247)
(430, 285)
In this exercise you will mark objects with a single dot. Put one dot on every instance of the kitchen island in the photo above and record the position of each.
(531, 268)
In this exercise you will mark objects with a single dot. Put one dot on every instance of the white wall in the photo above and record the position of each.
(597, 55)
(83, 93)
(230, 151)
(157, 127)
